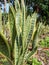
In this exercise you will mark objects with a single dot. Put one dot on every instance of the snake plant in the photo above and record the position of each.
(23, 30)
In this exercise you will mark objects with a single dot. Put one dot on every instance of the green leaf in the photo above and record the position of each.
(16, 54)
(11, 20)
(32, 26)
(31, 53)
(0, 21)
(17, 5)
(35, 39)
(13, 11)
(4, 46)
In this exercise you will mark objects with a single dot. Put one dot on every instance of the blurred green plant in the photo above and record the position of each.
(22, 30)
(44, 43)
(36, 62)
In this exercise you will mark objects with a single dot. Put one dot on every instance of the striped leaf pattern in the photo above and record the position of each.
(23, 29)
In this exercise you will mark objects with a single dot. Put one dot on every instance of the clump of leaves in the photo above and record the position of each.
(22, 30)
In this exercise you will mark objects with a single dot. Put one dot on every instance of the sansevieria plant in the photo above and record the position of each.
(23, 30)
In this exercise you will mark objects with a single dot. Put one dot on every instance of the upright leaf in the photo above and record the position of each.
(0, 21)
